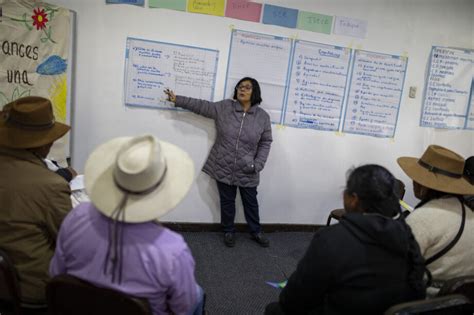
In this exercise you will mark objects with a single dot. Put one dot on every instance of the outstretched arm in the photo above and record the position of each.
(197, 106)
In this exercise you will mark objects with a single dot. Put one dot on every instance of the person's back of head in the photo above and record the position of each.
(376, 191)
(136, 180)
(469, 174)
(29, 123)
(469, 169)
(438, 173)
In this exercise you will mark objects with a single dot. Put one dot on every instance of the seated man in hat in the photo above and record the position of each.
(116, 242)
(442, 223)
(33, 200)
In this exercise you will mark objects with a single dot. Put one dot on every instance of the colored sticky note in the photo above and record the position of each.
(134, 2)
(350, 27)
(280, 16)
(243, 10)
(179, 5)
(211, 7)
(314, 22)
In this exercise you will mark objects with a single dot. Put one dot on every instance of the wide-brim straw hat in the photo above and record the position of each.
(28, 122)
(438, 168)
(153, 175)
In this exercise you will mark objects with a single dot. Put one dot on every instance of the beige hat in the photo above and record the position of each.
(439, 169)
(153, 176)
(28, 122)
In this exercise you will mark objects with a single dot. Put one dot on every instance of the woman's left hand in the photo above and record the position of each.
(249, 169)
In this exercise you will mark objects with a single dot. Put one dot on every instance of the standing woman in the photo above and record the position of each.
(243, 140)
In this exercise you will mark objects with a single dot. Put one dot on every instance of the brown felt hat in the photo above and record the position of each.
(439, 169)
(28, 122)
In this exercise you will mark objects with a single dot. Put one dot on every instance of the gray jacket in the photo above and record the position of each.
(243, 140)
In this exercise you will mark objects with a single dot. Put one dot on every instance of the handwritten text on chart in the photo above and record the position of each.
(375, 93)
(448, 88)
(153, 66)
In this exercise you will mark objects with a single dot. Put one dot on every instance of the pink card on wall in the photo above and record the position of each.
(243, 10)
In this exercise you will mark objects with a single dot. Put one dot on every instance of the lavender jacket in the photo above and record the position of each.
(242, 143)
(157, 263)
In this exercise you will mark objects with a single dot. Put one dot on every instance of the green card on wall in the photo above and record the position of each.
(179, 5)
(314, 22)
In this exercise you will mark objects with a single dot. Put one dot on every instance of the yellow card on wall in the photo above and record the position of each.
(211, 7)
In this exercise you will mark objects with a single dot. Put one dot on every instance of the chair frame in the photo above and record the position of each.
(437, 304)
(61, 284)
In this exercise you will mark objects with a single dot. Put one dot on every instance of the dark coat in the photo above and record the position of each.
(33, 203)
(242, 140)
(360, 266)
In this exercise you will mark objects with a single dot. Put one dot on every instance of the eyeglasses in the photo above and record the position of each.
(244, 87)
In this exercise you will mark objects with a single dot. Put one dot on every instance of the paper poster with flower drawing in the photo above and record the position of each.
(34, 44)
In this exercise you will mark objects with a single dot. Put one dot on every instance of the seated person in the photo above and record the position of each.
(115, 242)
(469, 174)
(68, 173)
(365, 264)
(33, 200)
(439, 183)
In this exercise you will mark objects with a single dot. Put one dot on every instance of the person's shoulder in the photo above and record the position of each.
(84, 209)
(262, 112)
(437, 206)
(331, 234)
(169, 237)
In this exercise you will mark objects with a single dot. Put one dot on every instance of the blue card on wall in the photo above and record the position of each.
(280, 16)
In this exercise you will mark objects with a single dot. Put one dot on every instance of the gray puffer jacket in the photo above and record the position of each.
(243, 140)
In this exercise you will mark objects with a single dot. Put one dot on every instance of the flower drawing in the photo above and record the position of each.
(39, 18)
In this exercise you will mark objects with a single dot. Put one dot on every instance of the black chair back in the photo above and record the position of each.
(68, 295)
(460, 285)
(455, 304)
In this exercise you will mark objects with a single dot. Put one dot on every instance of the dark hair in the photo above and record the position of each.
(256, 97)
(376, 188)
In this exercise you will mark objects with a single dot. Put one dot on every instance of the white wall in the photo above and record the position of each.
(305, 172)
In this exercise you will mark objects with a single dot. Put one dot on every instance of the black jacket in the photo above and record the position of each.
(361, 266)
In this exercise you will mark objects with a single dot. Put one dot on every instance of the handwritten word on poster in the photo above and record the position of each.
(211, 7)
(314, 22)
(448, 89)
(374, 95)
(280, 16)
(265, 58)
(243, 10)
(178, 5)
(151, 66)
(317, 86)
(350, 27)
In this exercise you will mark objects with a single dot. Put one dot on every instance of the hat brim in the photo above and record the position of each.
(106, 196)
(16, 138)
(436, 181)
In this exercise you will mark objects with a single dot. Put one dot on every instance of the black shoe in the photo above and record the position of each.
(229, 239)
(261, 239)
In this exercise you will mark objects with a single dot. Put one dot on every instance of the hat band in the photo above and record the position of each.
(434, 169)
(49, 125)
(146, 191)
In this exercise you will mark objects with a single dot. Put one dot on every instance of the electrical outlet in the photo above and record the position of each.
(412, 92)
